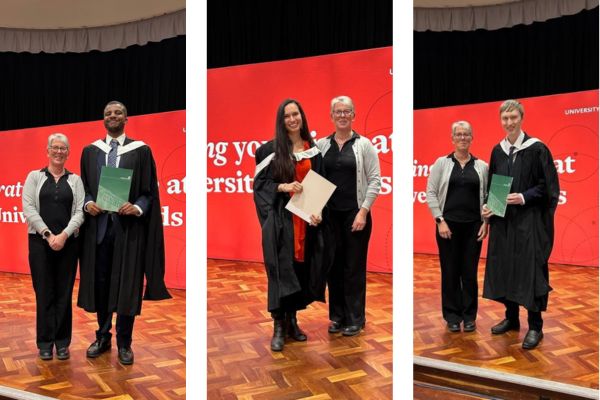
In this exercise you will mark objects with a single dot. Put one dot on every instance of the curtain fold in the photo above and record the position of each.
(104, 38)
(496, 17)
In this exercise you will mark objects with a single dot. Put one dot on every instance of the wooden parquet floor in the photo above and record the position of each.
(158, 345)
(240, 364)
(567, 354)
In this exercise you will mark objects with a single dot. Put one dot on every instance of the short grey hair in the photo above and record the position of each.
(462, 124)
(510, 105)
(58, 136)
(344, 100)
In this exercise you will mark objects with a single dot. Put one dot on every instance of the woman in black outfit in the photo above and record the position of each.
(53, 207)
(456, 189)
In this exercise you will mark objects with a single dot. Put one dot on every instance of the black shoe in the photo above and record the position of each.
(46, 354)
(293, 330)
(98, 347)
(125, 355)
(454, 326)
(505, 326)
(63, 353)
(278, 339)
(352, 330)
(334, 327)
(469, 326)
(532, 339)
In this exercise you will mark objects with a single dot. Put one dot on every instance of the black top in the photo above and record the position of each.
(462, 200)
(340, 169)
(56, 202)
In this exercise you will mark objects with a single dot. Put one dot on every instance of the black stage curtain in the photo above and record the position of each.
(49, 89)
(252, 31)
(556, 56)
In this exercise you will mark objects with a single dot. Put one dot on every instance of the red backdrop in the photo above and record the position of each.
(566, 123)
(25, 150)
(242, 102)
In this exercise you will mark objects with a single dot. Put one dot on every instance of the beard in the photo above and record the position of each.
(114, 128)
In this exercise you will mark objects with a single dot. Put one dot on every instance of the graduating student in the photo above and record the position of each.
(520, 243)
(120, 249)
(294, 251)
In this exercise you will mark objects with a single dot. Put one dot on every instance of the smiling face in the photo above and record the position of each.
(511, 122)
(292, 118)
(342, 116)
(58, 152)
(461, 138)
(115, 119)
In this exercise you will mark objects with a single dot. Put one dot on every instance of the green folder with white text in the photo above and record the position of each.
(113, 190)
(499, 189)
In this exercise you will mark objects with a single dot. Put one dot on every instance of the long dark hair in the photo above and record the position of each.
(283, 165)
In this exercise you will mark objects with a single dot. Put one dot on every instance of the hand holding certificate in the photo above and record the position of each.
(113, 190)
(499, 190)
(315, 193)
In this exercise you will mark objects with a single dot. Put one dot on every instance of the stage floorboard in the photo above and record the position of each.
(158, 345)
(241, 364)
(568, 353)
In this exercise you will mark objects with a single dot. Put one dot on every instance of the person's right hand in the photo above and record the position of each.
(93, 209)
(444, 230)
(294, 187)
(486, 212)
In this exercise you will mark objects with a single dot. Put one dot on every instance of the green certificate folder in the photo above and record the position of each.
(113, 190)
(499, 189)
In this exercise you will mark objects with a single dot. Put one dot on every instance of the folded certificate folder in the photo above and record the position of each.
(315, 193)
(499, 189)
(114, 187)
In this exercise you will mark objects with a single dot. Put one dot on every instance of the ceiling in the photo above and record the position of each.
(66, 14)
(458, 3)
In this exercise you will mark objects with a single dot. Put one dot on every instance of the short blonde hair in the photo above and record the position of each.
(510, 105)
(58, 136)
(344, 100)
(462, 124)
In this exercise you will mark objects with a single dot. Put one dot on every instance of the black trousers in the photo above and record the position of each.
(296, 301)
(459, 257)
(103, 272)
(534, 318)
(347, 280)
(53, 276)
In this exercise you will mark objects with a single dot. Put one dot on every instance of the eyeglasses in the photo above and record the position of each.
(463, 136)
(59, 149)
(345, 113)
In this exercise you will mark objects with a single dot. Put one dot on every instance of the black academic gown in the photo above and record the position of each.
(139, 243)
(278, 238)
(520, 243)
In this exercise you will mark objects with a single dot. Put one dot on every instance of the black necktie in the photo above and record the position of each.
(510, 158)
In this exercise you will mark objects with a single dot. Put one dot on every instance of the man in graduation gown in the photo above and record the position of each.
(122, 248)
(520, 243)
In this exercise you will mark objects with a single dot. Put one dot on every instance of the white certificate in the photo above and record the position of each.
(315, 193)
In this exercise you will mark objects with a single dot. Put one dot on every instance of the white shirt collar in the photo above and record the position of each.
(120, 139)
(505, 144)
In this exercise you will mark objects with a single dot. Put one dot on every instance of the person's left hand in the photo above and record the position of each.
(57, 242)
(128, 209)
(483, 231)
(360, 220)
(514, 199)
(315, 220)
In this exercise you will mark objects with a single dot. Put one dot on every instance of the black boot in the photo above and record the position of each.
(293, 329)
(278, 335)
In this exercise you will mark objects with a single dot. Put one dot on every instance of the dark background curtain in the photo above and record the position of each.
(556, 56)
(252, 31)
(49, 89)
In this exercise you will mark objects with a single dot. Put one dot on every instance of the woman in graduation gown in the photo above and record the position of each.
(293, 250)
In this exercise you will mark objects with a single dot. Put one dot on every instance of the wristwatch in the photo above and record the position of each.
(439, 220)
(46, 235)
